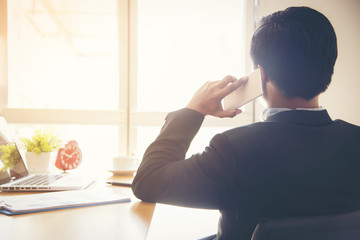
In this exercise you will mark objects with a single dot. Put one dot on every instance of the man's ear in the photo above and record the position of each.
(263, 74)
(263, 78)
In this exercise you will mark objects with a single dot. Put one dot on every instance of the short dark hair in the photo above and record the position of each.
(297, 48)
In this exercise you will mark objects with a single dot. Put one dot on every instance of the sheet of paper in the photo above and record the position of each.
(56, 200)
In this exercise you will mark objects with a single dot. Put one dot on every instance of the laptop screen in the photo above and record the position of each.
(12, 165)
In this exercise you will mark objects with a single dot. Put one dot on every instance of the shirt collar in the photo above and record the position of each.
(268, 112)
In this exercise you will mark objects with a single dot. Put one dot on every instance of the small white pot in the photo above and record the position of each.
(40, 163)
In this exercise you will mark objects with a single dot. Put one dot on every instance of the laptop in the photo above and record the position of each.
(18, 179)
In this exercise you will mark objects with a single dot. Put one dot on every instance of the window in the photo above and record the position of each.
(106, 72)
(63, 54)
(180, 45)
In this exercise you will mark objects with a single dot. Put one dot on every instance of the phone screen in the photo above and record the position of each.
(249, 91)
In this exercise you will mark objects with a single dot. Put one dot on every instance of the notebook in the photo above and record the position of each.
(14, 205)
(17, 178)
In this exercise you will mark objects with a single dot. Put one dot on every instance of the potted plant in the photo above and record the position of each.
(9, 156)
(41, 150)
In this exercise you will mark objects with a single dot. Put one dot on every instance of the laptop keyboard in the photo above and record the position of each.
(41, 179)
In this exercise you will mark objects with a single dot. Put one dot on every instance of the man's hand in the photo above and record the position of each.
(207, 100)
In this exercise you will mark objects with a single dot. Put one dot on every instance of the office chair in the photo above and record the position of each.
(332, 227)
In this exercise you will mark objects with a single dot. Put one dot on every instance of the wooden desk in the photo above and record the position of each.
(115, 221)
(179, 223)
(106, 222)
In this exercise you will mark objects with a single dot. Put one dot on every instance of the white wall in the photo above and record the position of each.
(342, 99)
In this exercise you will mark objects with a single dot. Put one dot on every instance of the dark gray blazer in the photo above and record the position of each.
(296, 163)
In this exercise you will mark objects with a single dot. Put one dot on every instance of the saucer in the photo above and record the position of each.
(122, 173)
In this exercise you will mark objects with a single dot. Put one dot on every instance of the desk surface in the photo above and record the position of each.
(114, 221)
(179, 223)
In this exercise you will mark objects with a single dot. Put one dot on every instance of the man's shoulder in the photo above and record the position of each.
(347, 128)
(252, 130)
(347, 124)
(274, 128)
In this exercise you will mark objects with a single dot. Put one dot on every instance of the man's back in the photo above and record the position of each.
(296, 163)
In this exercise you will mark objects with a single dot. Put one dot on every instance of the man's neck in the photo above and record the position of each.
(295, 102)
(275, 99)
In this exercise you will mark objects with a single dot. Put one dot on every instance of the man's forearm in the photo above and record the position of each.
(171, 145)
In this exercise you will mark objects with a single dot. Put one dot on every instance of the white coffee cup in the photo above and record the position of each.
(125, 163)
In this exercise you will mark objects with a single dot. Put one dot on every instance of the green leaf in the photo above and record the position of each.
(43, 140)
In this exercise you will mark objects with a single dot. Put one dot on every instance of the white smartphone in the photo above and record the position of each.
(244, 94)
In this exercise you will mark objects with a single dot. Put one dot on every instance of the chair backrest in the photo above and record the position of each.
(331, 227)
